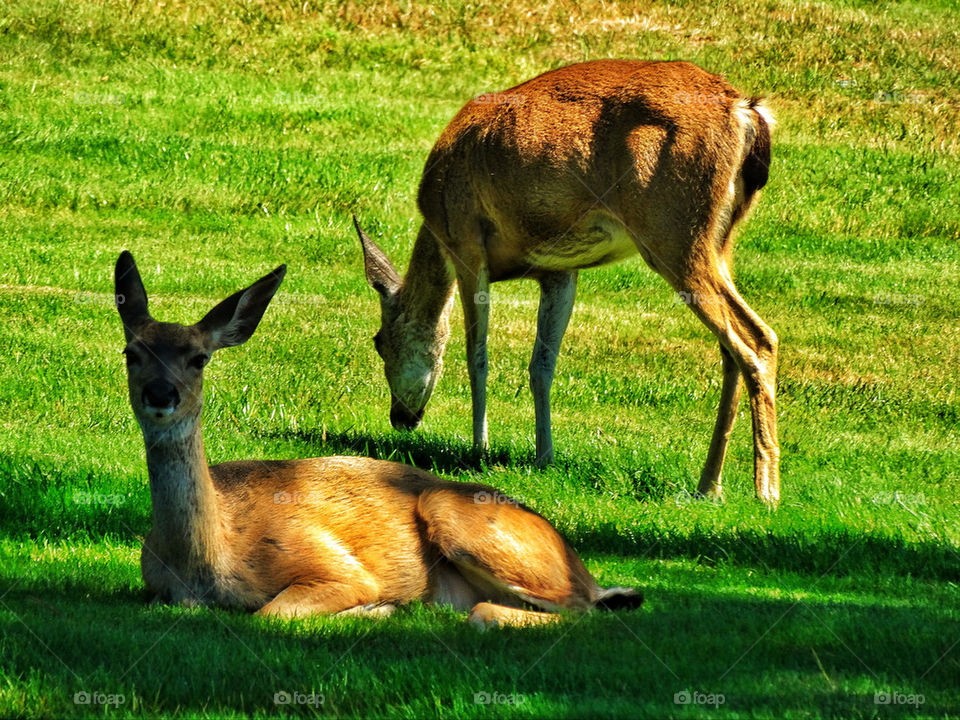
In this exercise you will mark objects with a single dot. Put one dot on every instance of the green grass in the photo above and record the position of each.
(216, 141)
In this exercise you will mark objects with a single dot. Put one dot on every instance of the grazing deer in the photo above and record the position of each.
(327, 535)
(578, 167)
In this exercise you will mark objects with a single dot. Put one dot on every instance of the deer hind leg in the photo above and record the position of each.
(557, 292)
(377, 610)
(467, 586)
(753, 347)
(486, 615)
(710, 480)
(507, 554)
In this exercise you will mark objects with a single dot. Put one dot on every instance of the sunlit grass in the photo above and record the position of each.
(217, 141)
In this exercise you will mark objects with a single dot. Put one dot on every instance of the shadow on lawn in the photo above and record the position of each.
(821, 551)
(39, 500)
(818, 552)
(766, 657)
(430, 452)
(453, 455)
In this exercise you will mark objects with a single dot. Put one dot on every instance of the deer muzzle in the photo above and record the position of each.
(160, 398)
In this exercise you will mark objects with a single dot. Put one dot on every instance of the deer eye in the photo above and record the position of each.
(199, 361)
(132, 357)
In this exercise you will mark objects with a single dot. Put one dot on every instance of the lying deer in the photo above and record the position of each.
(578, 167)
(326, 535)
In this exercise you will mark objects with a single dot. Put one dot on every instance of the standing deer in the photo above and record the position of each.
(582, 166)
(327, 535)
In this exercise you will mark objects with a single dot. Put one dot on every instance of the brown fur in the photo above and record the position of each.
(323, 535)
(577, 167)
(358, 531)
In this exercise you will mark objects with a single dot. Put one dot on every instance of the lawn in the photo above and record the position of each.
(218, 140)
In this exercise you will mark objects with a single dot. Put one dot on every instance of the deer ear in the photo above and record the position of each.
(129, 294)
(380, 273)
(233, 321)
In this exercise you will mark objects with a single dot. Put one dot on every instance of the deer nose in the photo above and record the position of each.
(404, 419)
(160, 395)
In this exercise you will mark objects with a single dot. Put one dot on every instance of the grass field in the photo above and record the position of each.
(218, 140)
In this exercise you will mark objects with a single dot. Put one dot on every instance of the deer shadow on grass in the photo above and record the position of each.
(455, 455)
(429, 452)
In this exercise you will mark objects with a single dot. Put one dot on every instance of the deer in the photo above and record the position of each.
(330, 535)
(585, 165)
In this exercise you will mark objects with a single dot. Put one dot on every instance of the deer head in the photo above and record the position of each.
(410, 342)
(165, 361)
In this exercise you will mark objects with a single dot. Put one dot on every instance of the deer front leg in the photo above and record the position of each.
(475, 296)
(304, 599)
(557, 292)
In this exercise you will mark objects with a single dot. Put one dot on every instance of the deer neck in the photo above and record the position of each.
(427, 288)
(186, 513)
